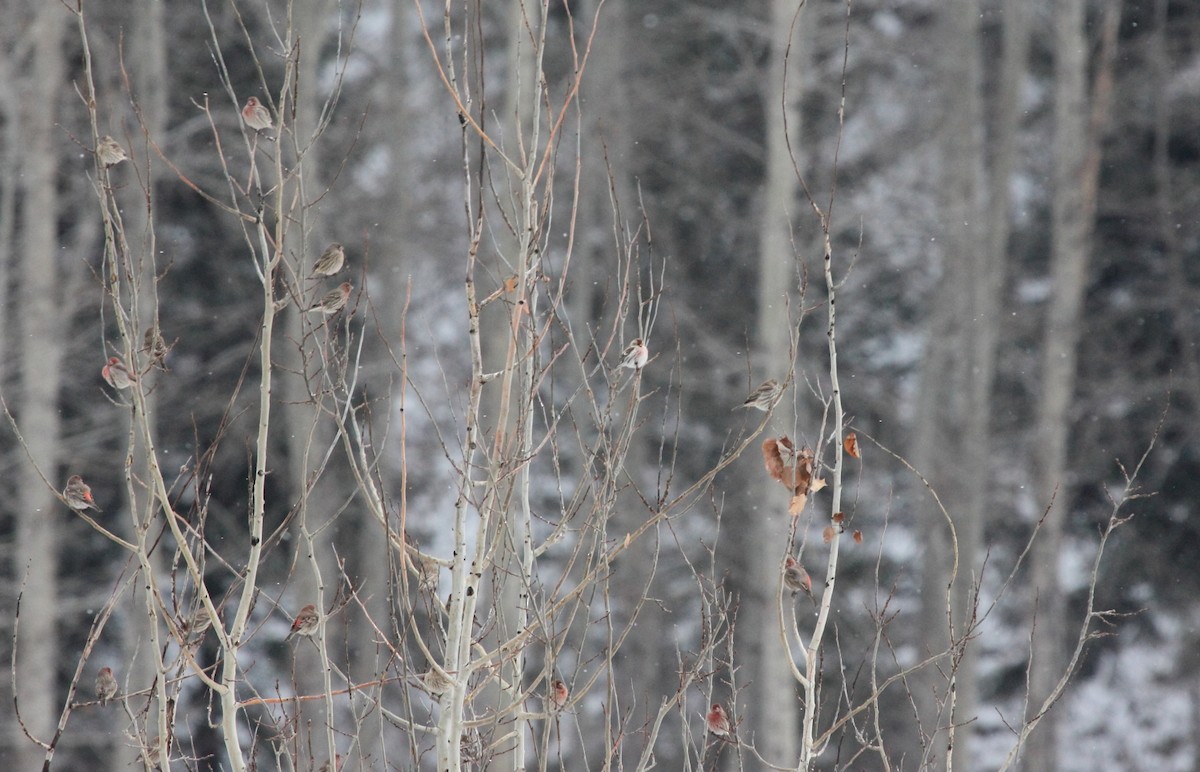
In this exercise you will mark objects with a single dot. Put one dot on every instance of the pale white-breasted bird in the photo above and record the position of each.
(117, 374)
(635, 355)
(255, 116)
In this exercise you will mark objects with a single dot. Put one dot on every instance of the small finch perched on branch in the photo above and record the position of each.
(78, 494)
(255, 116)
(333, 302)
(716, 722)
(764, 397)
(106, 685)
(117, 374)
(795, 578)
(110, 152)
(155, 346)
(559, 694)
(305, 623)
(330, 261)
(635, 355)
(434, 682)
(195, 628)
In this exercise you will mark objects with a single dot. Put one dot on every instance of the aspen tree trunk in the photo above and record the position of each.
(771, 700)
(508, 347)
(310, 432)
(954, 409)
(150, 73)
(41, 354)
(1071, 225)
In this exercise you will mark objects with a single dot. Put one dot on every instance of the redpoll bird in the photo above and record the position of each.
(78, 494)
(559, 694)
(194, 629)
(795, 578)
(117, 374)
(765, 396)
(155, 346)
(106, 685)
(717, 722)
(110, 152)
(635, 355)
(255, 116)
(330, 261)
(434, 682)
(333, 302)
(305, 623)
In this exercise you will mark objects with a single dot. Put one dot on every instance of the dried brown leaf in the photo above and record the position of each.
(772, 459)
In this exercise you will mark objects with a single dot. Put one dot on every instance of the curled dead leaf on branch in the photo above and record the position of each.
(850, 444)
(793, 469)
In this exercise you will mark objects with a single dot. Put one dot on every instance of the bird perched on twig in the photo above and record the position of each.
(305, 623)
(764, 397)
(78, 494)
(255, 116)
(106, 685)
(717, 722)
(795, 578)
(110, 152)
(117, 374)
(635, 355)
(333, 302)
(559, 694)
(330, 261)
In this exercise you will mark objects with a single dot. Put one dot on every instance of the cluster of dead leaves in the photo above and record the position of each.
(839, 526)
(793, 468)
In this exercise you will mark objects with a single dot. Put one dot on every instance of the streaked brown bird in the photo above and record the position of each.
(765, 397)
(110, 152)
(333, 302)
(106, 685)
(330, 261)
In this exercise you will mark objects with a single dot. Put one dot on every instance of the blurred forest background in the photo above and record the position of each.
(1013, 194)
